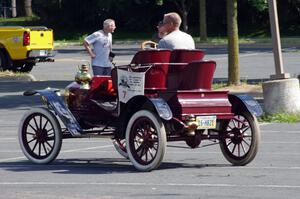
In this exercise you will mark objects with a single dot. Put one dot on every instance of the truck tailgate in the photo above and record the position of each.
(41, 39)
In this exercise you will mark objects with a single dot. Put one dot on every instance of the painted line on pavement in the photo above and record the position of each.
(272, 186)
(248, 55)
(65, 151)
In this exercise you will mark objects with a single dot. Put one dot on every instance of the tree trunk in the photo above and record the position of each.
(233, 45)
(28, 8)
(183, 10)
(13, 8)
(203, 30)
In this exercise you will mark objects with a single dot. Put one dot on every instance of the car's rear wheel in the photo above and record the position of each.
(145, 140)
(240, 139)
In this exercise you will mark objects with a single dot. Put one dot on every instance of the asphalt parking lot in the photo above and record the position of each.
(91, 168)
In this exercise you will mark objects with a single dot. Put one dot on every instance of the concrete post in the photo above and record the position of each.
(276, 42)
(281, 96)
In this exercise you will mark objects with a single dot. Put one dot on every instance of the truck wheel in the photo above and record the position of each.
(3, 60)
(23, 67)
(40, 135)
(145, 140)
(240, 139)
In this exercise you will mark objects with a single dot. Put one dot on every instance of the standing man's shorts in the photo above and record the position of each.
(103, 71)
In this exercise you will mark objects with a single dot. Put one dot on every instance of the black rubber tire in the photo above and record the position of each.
(3, 60)
(245, 135)
(145, 140)
(40, 135)
(23, 67)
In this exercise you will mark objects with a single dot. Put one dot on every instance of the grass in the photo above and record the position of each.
(7, 73)
(248, 40)
(280, 118)
(19, 21)
(64, 37)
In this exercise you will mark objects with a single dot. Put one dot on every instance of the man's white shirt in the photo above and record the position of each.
(177, 40)
(102, 45)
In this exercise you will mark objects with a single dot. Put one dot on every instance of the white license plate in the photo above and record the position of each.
(43, 52)
(206, 122)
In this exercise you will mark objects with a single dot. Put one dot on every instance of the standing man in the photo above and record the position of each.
(175, 39)
(101, 41)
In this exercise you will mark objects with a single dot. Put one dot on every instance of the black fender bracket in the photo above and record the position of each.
(239, 101)
(57, 104)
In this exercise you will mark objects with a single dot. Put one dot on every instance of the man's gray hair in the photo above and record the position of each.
(174, 18)
(107, 22)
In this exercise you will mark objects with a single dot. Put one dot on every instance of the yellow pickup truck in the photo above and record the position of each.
(22, 47)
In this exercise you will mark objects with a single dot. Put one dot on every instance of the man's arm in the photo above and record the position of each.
(88, 48)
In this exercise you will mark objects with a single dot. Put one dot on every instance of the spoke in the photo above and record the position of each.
(49, 130)
(40, 146)
(239, 150)
(232, 151)
(34, 146)
(243, 148)
(36, 123)
(139, 148)
(40, 121)
(31, 140)
(246, 143)
(234, 123)
(139, 134)
(50, 134)
(45, 124)
(229, 143)
(142, 152)
(29, 133)
(146, 154)
(44, 148)
(49, 144)
(245, 129)
(32, 127)
(51, 138)
(150, 152)
(230, 128)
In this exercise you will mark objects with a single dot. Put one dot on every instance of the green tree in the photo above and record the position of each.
(183, 7)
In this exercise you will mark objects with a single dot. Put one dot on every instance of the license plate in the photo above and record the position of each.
(206, 122)
(43, 52)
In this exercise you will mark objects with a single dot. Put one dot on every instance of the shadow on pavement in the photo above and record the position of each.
(11, 93)
(95, 166)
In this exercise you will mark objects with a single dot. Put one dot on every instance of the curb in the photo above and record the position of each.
(23, 78)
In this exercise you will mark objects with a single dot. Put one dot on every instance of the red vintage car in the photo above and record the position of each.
(161, 96)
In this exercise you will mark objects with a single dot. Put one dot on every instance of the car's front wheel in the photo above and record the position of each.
(40, 135)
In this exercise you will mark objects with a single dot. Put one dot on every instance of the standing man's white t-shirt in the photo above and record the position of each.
(177, 40)
(102, 45)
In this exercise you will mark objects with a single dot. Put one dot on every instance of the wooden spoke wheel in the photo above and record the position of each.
(240, 139)
(145, 140)
(40, 135)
